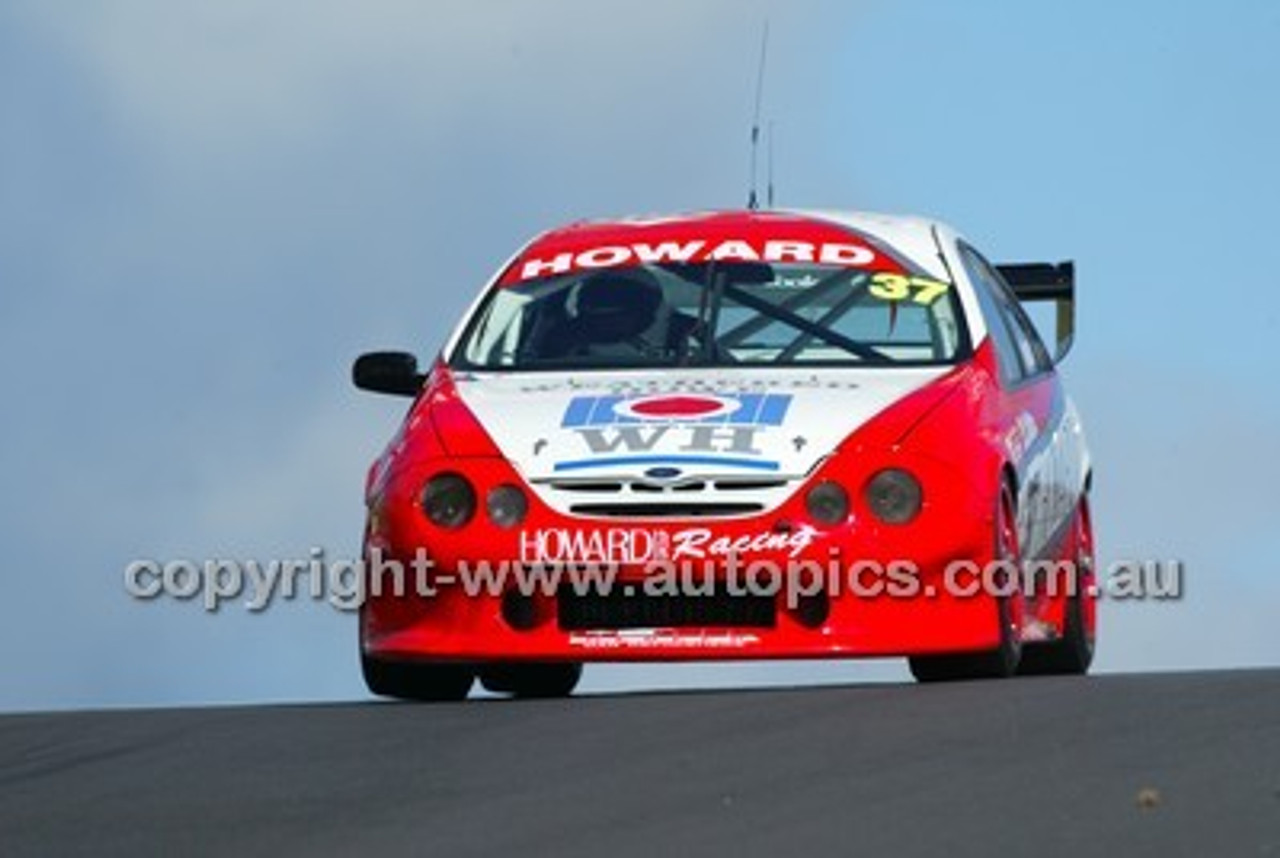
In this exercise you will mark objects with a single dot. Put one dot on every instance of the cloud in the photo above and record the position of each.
(212, 209)
(248, 74)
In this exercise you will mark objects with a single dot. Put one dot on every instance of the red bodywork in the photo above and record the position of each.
(953, 434)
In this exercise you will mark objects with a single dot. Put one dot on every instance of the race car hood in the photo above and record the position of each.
(675, 425)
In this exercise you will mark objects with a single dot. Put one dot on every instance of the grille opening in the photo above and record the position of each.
(748, 485)
(655, 488)
(621, 610)
(601, 486)
(812, 610)
(519, 610)
(665, 510)
(647, 486)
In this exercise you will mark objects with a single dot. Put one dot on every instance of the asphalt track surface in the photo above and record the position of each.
(1173, 764)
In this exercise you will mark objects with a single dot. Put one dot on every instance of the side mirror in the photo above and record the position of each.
(387, 372)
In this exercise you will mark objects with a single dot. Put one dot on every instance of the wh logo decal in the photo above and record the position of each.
(709, 429)
(736, 409)
(642, 439)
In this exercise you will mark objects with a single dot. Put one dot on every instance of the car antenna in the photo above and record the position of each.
(753, 201)
(768, 193)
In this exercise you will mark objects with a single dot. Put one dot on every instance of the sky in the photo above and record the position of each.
(208, 209)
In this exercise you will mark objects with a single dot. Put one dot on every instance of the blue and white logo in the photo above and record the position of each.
(672, 431)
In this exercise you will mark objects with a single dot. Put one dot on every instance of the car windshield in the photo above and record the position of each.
(715, 314)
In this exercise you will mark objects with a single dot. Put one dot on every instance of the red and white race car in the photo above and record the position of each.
(732, 435)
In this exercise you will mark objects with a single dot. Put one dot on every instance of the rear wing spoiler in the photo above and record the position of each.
(1043, 281)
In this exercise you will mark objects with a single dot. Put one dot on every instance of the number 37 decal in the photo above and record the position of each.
(900, 287)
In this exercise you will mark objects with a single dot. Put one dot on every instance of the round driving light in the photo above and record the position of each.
(827, 502)
(894, 496)
(507, 506)
(448, 500)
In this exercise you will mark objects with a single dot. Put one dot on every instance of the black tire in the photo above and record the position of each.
(1071, 654)
(532, 679)
(428, 682)
(1001, 662)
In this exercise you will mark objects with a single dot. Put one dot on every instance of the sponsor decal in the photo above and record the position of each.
(640, 545)
(1021, 435)
(847, 253)
(696, 543)
(900, 287)
(605, 545)
(740, 409)
(677, 407)
(660, 638)
(711, 429)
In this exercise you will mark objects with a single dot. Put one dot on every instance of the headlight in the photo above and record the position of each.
(894, 496)
(827, 502)
(506, 505)
(448, 500)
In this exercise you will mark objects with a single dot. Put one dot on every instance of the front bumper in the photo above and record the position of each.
(847, 616)
(453, 625)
